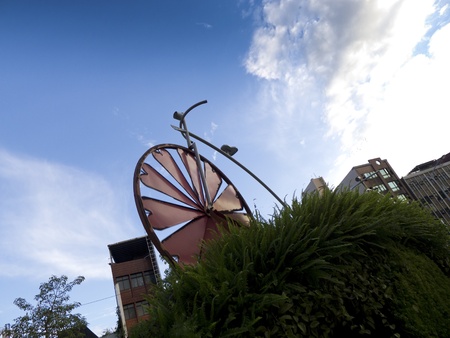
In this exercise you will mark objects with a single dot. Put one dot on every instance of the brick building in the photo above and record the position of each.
(134, 269)
(377, 175)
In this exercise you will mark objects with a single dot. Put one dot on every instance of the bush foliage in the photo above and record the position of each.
(340, 264)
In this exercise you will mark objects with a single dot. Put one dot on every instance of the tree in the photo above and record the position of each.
(336, 265)
(118, 331)
(52, 315)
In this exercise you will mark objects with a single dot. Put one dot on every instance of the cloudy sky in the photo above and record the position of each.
(303, 88)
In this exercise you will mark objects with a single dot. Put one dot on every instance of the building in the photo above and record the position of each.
(376, 175)
(134, 269)
(316, 184)
(429, 182)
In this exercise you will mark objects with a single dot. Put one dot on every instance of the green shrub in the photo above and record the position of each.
(340, 264)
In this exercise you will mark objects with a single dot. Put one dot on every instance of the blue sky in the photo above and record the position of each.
(303, 88)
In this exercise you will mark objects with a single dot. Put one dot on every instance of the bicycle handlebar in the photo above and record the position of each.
(181, 116)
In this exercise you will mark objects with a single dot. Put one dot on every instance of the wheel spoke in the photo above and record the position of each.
(185, 242)
(228, 200)
(166, 160)
(192, 169)
(241, 218)
(163, 215)
(154, 180)
(213, 181)
(212, 228)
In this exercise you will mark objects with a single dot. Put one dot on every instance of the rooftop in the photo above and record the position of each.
(128, 250)
(431, 164)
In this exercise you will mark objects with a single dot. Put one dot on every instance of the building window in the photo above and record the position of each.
(385, 173)
(369, 175)
(124, 283)
(140, 308)
(379, 188)
(149, 278)
(137, 280)
(129, 311)
(402, 197)
(394, 186)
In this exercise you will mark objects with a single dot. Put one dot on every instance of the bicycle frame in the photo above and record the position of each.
(191, 145)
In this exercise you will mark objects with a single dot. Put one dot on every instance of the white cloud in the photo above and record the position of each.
(344, 75)
(213, 127)
(56, 219)
(145, 141)
(443, 9)
(204, 25)
(415, 107)
(208, 135)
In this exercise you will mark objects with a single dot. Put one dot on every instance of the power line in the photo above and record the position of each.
(98, 300)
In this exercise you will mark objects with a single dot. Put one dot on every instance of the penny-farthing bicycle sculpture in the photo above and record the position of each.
(182, 195)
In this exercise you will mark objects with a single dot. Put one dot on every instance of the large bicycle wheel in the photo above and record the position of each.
(172, 205)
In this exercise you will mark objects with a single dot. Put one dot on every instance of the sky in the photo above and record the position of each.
(302, 88)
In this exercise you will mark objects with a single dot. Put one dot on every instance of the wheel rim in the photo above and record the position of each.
(171, 201)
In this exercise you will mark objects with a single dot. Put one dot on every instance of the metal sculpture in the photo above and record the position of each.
(179, 192)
